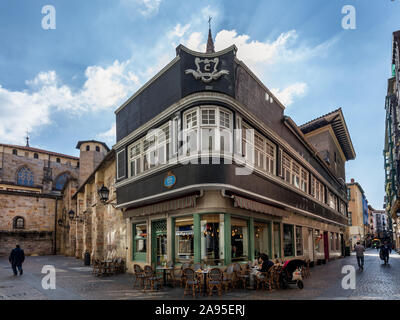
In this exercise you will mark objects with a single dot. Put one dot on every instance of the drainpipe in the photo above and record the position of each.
(55, 229)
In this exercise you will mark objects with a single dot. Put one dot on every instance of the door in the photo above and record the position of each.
(342, 245)
(158, 243)
(310, 245)
(326, 245)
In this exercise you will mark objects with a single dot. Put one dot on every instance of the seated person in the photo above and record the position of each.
(265, 263)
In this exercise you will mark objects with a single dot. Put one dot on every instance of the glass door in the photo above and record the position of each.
(159, 243)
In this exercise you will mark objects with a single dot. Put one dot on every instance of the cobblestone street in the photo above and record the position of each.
(74, 281)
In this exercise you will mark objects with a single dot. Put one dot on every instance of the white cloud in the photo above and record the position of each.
(179, 31)
(108, 136)
(29, 109)
(286, 96)
(145, 7)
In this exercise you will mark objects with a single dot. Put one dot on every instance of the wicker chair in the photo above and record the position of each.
(275, 276)
(264, 279)
(228, 278)
(171, 273)
(140, 276)
(191, 281)
(237, 271)
(182, 279)
(151, 278)
(214, 281)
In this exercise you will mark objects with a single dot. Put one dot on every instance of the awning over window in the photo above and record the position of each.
(258, 207)
(165, 206)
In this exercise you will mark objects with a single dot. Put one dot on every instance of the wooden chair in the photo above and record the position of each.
(228, 278)
(275, 276)
(243, 275)
(191, 281)
(140, 276)
(197, 266)
(214, 281)
(151, 278)
(264, 279)
(182, 279)
(236, 272)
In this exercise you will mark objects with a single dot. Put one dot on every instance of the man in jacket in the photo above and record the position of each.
(384, 253)
(359, 249)
(17, 257)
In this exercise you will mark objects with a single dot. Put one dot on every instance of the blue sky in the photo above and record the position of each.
(63, 85)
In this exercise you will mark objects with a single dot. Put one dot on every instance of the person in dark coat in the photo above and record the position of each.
(385, 250)
(266, 264)
(17, 257)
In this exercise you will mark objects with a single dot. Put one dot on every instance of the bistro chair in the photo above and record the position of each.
(140, 276)
(215, 281)
(197, 266)
(191, 281)
(151, 278)
(236, 273)
(171, 273)
(182, 280)
(228, 278)
(243, 275)
(305, 270)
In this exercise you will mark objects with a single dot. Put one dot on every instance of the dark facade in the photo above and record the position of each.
(195, 101)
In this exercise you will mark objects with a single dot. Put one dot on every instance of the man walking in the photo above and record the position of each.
(17, 257)
(384, 253)
(359, 249)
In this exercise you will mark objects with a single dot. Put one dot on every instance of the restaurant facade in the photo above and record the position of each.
(209, 169)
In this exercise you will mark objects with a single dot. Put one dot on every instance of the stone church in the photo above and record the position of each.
(32, 185)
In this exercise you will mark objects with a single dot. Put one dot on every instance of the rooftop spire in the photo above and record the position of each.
(210, 42)
(27, 138)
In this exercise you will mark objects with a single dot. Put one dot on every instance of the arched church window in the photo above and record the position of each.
(18, 223)
(25, 177)
(61, 180)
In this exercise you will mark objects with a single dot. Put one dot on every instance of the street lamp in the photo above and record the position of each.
(71, 214)
(103, 193)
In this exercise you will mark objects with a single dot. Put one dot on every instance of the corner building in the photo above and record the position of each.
(227, 175)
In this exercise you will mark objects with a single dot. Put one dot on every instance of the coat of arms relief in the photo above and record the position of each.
(207, 70)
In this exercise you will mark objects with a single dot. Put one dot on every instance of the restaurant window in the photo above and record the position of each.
(299, 241)
(277, 240)
(239, 240)
(318, 245)
(140, 241)
(332, 245)
(288, 236)
(261, 239)
(212, 239)
(184, 239)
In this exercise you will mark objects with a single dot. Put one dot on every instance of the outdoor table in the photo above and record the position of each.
(204, 272)
(164, 269)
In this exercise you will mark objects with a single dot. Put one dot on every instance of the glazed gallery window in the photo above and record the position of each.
(239, 240)
(258, 150)
(288, 236)
(212, 239)
(184, 239)
(140, 241)
(317, 189)
(262, 236)
(294, 173)
(332, 200)
(150, 151)
(25, 177)
(207, 129)
(299, 241)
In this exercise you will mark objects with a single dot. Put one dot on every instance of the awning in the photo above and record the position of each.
(165, 206)
(258, 207)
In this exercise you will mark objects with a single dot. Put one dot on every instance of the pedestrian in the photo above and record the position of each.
(16, 258)
(384, 252)
(359, 249)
